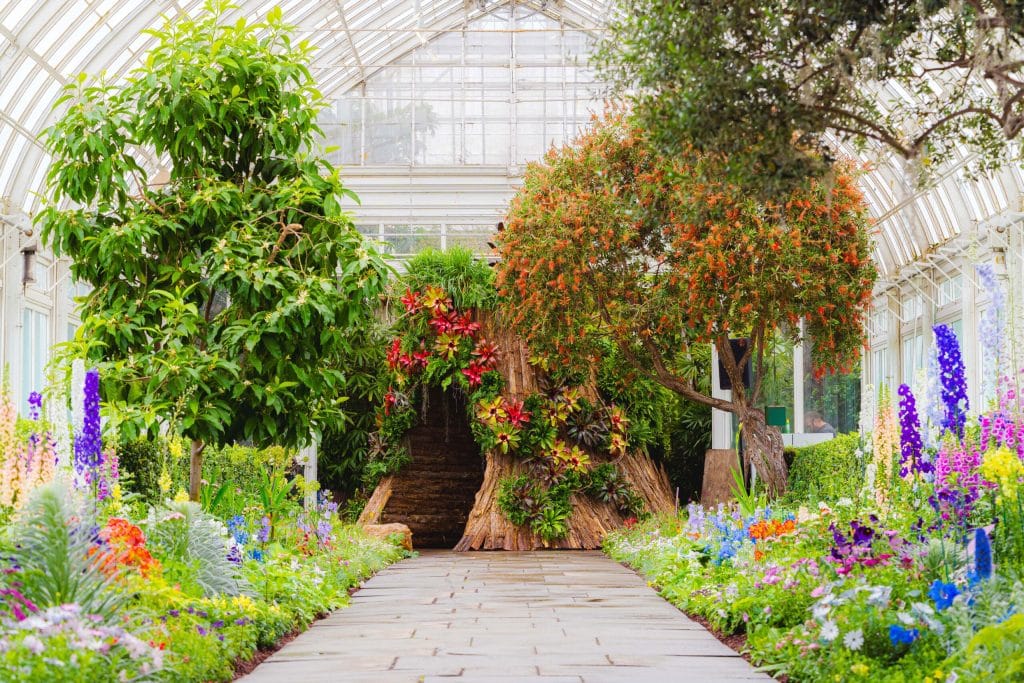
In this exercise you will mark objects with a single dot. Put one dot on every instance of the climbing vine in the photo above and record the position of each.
(567, 442)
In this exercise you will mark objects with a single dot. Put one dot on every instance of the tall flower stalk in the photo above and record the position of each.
(954, 384)
(912, 460)
(89, 441)
(884, 442)
(991, 328)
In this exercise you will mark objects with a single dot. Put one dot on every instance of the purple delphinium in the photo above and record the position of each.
(263, 535)
(35, 405)
(954, 385)
(89, 442)
(911, 448)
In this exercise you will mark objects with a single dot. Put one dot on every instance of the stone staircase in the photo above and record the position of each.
(434, 493)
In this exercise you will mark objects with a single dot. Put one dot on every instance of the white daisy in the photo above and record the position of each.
(829, 631)
(854, 639)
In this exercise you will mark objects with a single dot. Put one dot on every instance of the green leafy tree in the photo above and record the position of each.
(764, 80)
(225, 295)
(610, 240)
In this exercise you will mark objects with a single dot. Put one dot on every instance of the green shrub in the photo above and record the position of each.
(827, 471)
(467, 279)
(193, 547)
(389, 463)
(143, 460)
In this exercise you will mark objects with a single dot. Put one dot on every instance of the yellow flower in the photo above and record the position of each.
(174, 448)
(164, 482)
(1003, 468)
(859, 669)
(181, 496)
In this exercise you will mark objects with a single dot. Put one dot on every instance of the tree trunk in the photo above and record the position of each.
(762, 447)
(195, 470)
(591, 520)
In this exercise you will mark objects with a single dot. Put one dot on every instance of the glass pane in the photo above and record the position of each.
(35, 351)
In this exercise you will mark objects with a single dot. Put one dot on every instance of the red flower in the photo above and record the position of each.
(389, 400)
(411, 301)
(464, 325)
(517, 415)
(474, 373)
(486, 353)
(629, 522)
(406, 361)
(394, 352)
(422, 357)
(443, 323)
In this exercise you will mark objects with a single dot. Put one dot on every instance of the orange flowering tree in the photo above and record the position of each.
(608, 239)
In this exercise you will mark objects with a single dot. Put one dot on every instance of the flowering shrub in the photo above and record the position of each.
(62, 643)
(125, 547)
(916, 579)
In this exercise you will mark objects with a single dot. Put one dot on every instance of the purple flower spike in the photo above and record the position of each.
(911, 447)
(954, 385)
(35, 405)
(89, 442)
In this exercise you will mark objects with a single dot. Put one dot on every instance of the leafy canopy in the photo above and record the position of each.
(764, 80)
(608, 239)
(224, 296)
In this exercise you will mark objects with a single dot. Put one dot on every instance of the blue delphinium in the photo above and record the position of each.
(954, 384)
(942, 594)
(236, 526)
(88, 441)
(899, 635)
(911, 447)
(982, 569)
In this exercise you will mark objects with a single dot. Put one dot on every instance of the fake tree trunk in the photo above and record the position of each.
(477, 486)
(762, 448)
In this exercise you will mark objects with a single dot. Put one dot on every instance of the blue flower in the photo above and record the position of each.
(236, 526)
(256, 554)
(942, 594)
(263, 535)
(982, 570)
(899, 635)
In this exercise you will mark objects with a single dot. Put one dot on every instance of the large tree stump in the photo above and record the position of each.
(487, 528)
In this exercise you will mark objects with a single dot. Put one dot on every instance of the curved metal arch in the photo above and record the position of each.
(44, 45)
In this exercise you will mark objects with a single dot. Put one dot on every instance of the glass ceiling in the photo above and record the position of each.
(369, 50)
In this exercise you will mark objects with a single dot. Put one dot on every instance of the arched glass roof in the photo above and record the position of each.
(362, 46)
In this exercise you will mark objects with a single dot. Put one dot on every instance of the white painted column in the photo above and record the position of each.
(721, 421)
(308, 456)
(798, 383)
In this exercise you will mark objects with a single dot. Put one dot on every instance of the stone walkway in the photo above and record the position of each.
(548, 617)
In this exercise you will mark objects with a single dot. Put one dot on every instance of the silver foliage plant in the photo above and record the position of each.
(184, 532)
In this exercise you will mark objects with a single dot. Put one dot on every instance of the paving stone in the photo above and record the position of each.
(546, 617)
